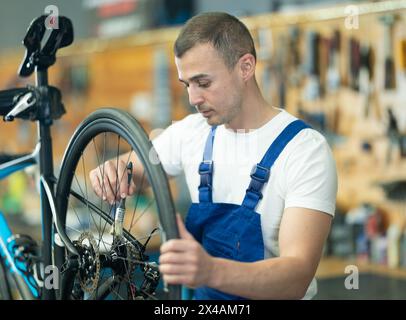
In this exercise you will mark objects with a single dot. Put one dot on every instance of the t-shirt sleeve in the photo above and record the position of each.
(311, 175)
(168, 148)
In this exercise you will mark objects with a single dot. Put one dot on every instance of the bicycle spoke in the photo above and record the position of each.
(87, 204)
(98, 166)
(142, 213)
(138, 197)
(103, 184)
(73, 229)
(153, 234)
(117, 158)
(77, 216)
(87, 195)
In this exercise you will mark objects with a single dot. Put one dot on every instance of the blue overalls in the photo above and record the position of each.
(227, 230)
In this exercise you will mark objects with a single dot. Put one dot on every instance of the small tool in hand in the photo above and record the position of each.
(120, 210)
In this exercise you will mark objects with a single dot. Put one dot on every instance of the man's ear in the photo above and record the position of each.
(247, 66)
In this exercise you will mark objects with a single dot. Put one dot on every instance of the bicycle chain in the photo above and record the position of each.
(133, 258)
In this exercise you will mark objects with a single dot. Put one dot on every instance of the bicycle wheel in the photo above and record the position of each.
(112, 266)
(5, 291)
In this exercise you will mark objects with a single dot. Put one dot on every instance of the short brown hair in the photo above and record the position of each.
(228, 35)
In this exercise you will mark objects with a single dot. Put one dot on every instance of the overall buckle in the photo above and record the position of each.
(260, 173)
(206, 167)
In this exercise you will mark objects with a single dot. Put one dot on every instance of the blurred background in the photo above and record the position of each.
(339, 65)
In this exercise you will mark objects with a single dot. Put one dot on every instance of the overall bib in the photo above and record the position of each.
(227, 230)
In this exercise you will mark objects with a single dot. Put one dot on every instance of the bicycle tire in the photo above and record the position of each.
(5, 291)
(118, 122)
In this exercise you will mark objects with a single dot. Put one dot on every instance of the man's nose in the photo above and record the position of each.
(195, 96)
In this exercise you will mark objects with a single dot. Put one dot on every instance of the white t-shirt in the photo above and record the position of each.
(304, 175)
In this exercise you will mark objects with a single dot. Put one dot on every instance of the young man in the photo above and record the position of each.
(264, 194)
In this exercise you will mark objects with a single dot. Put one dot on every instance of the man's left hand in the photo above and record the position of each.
(184, 261)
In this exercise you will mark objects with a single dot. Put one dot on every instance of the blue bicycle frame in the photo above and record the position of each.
(26, 283)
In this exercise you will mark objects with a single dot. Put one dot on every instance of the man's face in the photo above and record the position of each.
(213, 89)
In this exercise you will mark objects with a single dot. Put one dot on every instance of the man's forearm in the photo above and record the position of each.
(276, 278)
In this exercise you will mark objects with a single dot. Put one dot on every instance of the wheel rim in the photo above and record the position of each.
(86, 214)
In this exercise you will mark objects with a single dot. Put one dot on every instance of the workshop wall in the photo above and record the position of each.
(345, 75)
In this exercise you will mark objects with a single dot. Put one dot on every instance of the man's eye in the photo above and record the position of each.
(204, 84)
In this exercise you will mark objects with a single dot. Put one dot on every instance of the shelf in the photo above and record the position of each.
(330, 267)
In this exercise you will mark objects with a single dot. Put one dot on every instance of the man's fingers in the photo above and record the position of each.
(181, 269)
(131, 190)
(98, 184)
(181, 257)
(177, 245)
(175, 279)
(94, 180)
(108, 189)
(184, 234)
(123, 180)
(111, 183)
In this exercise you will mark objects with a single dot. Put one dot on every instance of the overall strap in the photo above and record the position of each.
(206, 169)
(260, 172)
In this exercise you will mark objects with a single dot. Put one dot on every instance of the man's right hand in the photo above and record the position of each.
(109, 181)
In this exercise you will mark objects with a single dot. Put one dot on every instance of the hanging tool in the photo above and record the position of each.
(312, 89)
(294, 57)
(333, 71)
(281, 68)
(388, 22)
(354, 63)
(395, 136)
(264, 54)
(366, 76)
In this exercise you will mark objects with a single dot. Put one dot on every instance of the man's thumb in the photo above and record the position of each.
(183, 233)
